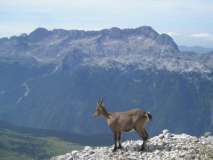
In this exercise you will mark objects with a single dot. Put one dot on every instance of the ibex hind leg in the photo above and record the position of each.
(145, 137)
(119, 140)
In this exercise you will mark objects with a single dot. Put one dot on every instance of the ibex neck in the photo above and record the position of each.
(106, 114)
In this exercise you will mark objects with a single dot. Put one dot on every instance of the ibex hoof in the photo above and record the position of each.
(120, 147)
(142, 149)
(114, 150)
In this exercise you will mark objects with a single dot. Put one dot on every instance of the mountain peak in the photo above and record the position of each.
(147, 31)
(166, 40)
(39, 30)
(39, 34)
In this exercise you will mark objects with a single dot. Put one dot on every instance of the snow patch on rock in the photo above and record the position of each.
(26, 93)
(143, 62)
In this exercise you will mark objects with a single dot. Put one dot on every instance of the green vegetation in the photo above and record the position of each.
(19, 146)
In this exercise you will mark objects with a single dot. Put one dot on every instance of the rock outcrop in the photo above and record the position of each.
(165, 146)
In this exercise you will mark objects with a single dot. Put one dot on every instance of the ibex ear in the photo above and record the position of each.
(101, 101)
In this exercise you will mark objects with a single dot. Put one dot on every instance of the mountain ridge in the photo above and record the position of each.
(112, 47)
(55, 37)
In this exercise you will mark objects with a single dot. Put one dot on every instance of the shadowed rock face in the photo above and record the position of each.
(164, 146)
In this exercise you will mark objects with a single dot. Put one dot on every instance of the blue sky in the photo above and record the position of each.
(189, 22)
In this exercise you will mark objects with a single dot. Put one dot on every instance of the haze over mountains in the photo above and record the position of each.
(53, 79)
(195, 49)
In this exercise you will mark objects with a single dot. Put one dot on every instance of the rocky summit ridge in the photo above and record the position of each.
(167, 146)
(142, 47)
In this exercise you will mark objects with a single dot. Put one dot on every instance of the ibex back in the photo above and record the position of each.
(134, 119)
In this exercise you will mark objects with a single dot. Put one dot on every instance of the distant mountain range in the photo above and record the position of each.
(195, 49)
(53, 79)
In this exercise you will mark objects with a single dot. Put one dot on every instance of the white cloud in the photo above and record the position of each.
(173, 34)
(202, 35)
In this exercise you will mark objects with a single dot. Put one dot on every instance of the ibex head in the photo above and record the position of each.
(100, 108)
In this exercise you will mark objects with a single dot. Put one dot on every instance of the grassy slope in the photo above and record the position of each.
(19, 146)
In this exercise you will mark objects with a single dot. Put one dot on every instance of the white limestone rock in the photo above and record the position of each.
(167, 146)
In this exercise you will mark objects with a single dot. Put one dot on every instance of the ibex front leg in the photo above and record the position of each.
(115, 141)
(119, 141)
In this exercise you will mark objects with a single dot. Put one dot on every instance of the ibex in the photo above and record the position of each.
(134, 119)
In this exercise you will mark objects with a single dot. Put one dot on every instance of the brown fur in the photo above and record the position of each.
(134, 119)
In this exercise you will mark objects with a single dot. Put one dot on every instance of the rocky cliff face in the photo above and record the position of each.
(55, 45)
(167, 146)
